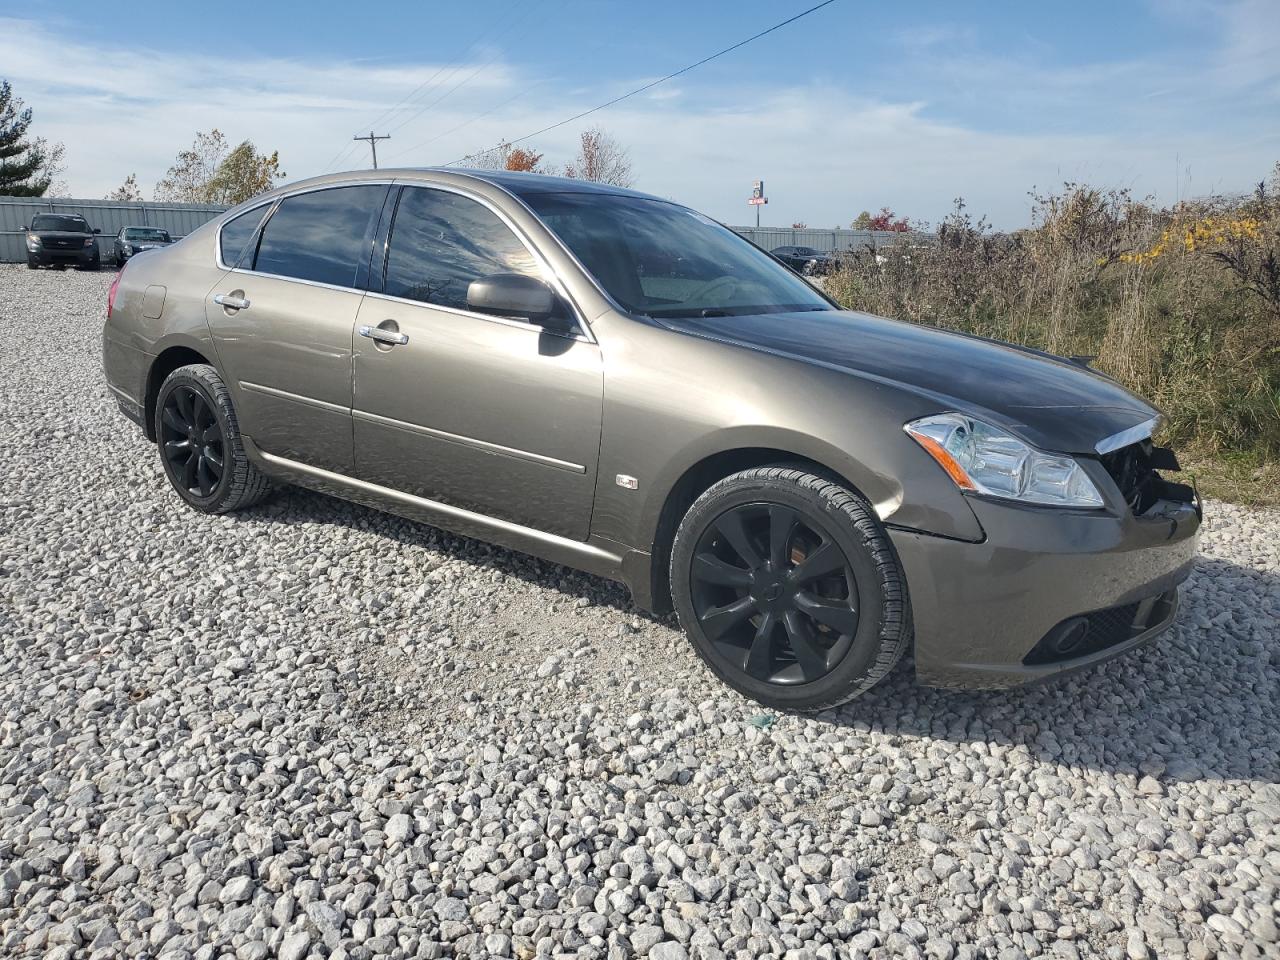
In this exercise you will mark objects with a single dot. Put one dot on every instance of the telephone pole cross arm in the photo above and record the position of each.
(373, 144)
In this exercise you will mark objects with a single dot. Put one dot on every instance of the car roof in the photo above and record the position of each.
(520, 184)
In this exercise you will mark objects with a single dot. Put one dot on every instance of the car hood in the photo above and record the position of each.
(1050, 402)
(61, 235)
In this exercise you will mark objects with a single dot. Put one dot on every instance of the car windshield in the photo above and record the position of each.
(53, 221)
(662, 260)
(146, 235)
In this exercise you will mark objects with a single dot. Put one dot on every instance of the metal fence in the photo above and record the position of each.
(107, 215)
(824, 241)
(181, 218)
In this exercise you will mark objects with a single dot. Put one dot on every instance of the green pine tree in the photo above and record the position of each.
(22, 164)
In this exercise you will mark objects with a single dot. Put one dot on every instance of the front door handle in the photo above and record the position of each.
(230, 302)
(384, 336)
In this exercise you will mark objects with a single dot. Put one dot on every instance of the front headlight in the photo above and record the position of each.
(986, 459)
(33, 242)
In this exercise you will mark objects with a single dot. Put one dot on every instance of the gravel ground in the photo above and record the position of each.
(315, 730)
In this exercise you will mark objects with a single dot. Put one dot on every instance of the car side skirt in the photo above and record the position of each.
(588, 557)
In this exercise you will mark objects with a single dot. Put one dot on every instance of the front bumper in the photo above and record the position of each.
(81, 257)
(982, 610)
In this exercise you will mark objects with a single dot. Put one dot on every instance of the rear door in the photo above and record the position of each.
(282, 319)
(487, 413)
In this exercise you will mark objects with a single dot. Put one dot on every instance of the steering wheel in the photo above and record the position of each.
(723, 286)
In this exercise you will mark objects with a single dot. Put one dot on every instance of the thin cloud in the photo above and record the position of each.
(825, 151)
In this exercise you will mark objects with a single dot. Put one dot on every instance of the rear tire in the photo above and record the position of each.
(789, 589)
(198, 437)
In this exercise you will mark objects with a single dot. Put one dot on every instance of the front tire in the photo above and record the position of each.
(33, 263)
(788, 588)
(198, 437)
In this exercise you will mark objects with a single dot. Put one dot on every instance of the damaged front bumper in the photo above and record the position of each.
(1049, 591)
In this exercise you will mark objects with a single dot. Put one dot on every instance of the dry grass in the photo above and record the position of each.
(1182, 305)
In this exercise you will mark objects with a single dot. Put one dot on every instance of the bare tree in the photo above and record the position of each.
(127, 191)
(188, 179)
(601, 158)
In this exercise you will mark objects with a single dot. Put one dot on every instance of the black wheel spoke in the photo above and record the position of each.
(211, 434)
(782, 520)
(173, 449)
(189, 471)
(214, 459)
(731, 528)
(759, 661)
(182, 399)
(709, 568)
(822, 562)
(204, 480)
(197, 410)
(812, 661)
(836, 614)
(719, 619)
(173, 420)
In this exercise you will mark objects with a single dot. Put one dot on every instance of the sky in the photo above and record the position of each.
(854, 107)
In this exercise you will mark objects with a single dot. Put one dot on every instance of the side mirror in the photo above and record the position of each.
(96, 230)
(512, 295)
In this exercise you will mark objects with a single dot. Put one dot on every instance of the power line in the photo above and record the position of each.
(511, 23)
(654, 83)
(466, 123)
(450, 65)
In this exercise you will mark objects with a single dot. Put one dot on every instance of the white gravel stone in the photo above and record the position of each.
(315, 729)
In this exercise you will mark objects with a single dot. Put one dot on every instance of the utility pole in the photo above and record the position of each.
(373, 144)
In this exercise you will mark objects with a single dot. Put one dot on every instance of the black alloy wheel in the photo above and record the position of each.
(198, 435)
(775, 593)
(191, 439)
(788, 587)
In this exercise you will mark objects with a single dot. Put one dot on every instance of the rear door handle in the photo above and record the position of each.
(384, 336)
(230, 302)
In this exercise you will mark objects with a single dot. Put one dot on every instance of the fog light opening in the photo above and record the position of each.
(1070, 637)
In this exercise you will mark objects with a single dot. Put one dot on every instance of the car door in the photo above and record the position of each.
(491, 414)
(282, 319)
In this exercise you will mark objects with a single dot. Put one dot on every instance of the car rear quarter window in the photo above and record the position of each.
(321, 236)
(237, 232)
(441, 241)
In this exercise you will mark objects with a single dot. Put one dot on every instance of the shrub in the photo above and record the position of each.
(1182, 304)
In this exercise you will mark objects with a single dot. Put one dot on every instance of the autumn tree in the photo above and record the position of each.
(242, 174)
(505, 156)
(28, 168)
(210, 172)
(524, 161)
(127, 191)
(885, 220)
(601, 158)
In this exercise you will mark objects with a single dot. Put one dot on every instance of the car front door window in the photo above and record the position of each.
(441, 242)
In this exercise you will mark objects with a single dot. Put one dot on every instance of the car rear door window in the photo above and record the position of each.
(322, 236)
(441, 241)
